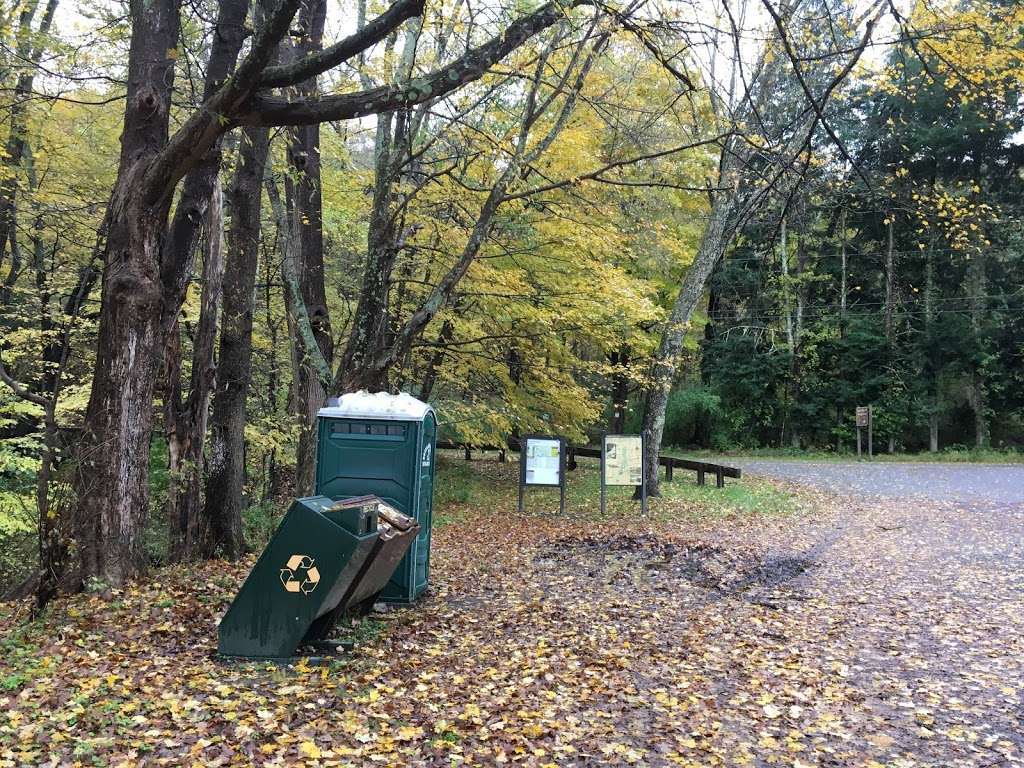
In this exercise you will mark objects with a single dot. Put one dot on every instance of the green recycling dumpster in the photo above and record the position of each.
(308, 570)
(384, 445)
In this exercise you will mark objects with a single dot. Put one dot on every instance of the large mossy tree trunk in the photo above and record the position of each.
(368, 336)
(112, 473)
(147, 258)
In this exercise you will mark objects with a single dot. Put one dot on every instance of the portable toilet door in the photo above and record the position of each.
(384, 445)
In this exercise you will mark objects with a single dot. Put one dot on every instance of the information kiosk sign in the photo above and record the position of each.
(622, 463)
(542, 463)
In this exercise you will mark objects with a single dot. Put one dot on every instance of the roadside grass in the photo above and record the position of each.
(953, 455)
(485, 485)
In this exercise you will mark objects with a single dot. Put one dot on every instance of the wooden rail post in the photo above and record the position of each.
(668, 470)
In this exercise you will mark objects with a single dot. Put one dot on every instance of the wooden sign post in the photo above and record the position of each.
(542, 462)
(622, 463)
(864, 420)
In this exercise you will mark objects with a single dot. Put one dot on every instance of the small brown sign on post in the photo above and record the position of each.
(862, 415)
(864, 420)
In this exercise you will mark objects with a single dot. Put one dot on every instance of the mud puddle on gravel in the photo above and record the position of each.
(648, 563)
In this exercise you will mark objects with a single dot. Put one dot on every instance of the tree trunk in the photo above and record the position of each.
(717, 234)
(430, 376)
(29, 50)
(929, 327)
(226, 464)
(620, 391)
(784, 264)
(978, 286)
(890, 283)
(366, 338)
(796, 349)
(305, 206)
(842, 274)
(112, 476)
(111, 481)
(890, 303)
(185, 421)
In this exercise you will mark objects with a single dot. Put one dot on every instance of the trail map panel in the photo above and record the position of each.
(623, 460)
(543, 461)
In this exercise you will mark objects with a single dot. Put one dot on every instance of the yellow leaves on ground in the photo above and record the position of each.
(310, 750)
(671, 640)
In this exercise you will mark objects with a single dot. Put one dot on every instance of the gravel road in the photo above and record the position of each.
(988, 484)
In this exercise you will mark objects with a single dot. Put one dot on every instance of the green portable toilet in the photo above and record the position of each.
(384, 445)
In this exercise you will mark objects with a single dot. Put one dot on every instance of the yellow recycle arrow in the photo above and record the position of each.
(291, 581)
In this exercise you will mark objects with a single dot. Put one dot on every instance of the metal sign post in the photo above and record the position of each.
(542, 463)
(871, 442)
(643, 475)
(622, 464)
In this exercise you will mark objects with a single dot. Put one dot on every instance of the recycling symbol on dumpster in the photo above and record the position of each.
(300, 575)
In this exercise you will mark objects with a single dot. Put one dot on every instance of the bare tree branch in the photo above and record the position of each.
(343, 50)
(270, 111)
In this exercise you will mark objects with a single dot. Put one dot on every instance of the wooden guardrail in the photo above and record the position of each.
(670, 463)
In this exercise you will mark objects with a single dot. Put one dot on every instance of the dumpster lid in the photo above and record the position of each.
(376, 405)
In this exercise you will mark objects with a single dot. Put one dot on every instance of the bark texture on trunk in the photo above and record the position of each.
(842, 273)
(890, 303)
(368, 337)
(111, 480)
(185, 419)
(890, 283)
(305, 207)
(225, 479)
(180, 244)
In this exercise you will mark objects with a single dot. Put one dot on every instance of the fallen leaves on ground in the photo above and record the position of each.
(822, 639)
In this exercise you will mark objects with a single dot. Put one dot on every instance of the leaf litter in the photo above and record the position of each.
(821, 638)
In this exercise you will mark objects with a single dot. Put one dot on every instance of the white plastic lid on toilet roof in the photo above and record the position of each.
(376, 405)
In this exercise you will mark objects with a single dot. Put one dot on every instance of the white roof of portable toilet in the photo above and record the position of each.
(376, 405)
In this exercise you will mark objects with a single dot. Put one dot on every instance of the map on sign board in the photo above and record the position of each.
(623, 460)
(543, 461)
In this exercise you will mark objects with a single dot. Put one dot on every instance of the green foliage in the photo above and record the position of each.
(790, 365)
(260, 521)
(693, 417)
